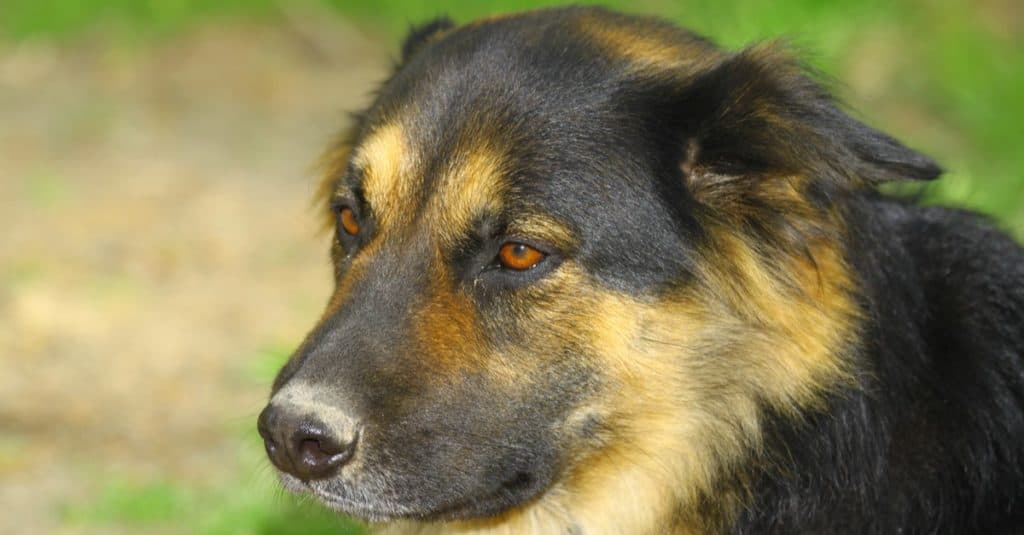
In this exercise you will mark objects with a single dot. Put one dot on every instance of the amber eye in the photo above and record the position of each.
(518, 256)
(348, 221)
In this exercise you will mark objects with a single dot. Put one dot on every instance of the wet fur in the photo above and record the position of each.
(744, 336)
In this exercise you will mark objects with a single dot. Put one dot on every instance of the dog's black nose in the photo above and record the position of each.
(303, 446)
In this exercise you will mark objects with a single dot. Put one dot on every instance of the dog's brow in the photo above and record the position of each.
(543, 227)
(386, 162)
(473, 184)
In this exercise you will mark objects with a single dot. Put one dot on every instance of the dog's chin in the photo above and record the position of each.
(371, 509)
(364, 509)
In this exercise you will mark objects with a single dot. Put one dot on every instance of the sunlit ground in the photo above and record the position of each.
(159, 260)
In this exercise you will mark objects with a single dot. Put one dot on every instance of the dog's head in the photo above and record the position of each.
(572, 246)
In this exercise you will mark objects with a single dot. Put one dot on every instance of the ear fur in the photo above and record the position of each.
(423, 34)
(762, 112)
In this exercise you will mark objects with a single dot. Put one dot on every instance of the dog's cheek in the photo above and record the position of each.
(521, 373)
(551, 355)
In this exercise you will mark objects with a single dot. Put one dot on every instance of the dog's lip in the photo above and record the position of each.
(352, 507)
(342, 504)
(345, 505)
(365, 511)
(450, 511)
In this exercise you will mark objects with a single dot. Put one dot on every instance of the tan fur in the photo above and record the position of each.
(472, 185)
(647, 46)
(543, 227)
(445, 327)
(388, 165)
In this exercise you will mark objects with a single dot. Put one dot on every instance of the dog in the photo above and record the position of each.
(594, 274)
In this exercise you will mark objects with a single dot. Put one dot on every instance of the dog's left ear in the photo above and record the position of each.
(423, 34)
(760, 112)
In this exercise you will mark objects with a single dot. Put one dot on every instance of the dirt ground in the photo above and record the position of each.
(156, 237)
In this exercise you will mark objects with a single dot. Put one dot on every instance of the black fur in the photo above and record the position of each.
(420, 35)
(770, 114)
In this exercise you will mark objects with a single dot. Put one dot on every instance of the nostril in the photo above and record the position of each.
(313, 454)
(268, 442)
(318, 455)
(270, 446)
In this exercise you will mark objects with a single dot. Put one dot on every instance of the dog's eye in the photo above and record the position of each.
(519, 256)
(348, 221)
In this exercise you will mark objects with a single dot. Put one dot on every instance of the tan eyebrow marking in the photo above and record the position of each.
(473, 184)
(387, 165)
(545, 228)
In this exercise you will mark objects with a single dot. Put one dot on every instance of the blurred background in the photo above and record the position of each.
(159, 258)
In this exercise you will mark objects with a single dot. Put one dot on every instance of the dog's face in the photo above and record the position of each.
(564, 241)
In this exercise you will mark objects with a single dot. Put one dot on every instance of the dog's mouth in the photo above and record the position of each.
(356, 506)
(519, 489)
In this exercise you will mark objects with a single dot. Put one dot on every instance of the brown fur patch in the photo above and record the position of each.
(787, 279)
(542, 227)
(471, 185)
(388, 165)
(446, 329)
(646, 43)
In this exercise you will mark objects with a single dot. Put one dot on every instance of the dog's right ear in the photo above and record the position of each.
(423, 34)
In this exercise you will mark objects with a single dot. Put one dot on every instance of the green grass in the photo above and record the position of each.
(262, 368)
(139, 504)
(237, 508)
